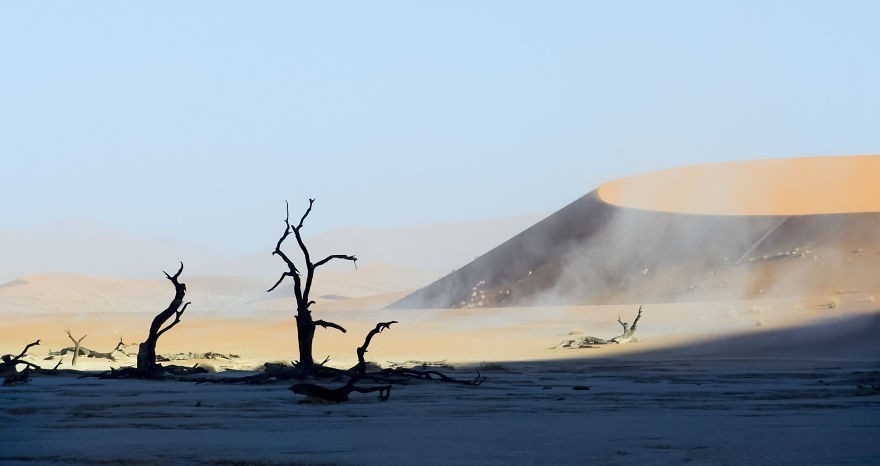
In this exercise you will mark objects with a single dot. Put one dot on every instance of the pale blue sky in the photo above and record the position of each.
(195, 120)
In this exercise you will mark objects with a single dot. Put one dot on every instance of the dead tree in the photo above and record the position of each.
(9, 371)
(90, 353)
(628, 331)
(302, 286)
(111, 354)
(146, 356)
(76, 347)
(338, 395)
(589, 341)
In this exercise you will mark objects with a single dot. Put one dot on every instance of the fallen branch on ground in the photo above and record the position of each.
(590, 341)
(170, 372)
(432, 375)
(9, 371)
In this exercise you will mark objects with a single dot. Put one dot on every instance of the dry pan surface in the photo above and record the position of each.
(706, 385)
(563, 412)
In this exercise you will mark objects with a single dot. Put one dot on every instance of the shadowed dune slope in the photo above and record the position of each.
(724, 243)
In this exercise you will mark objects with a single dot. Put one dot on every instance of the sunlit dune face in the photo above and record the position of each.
(796, 186)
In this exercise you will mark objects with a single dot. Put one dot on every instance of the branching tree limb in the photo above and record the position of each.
(177, 315)
(362, 350)
(25, 350)
(628, 331)
(325, 324)
(336, 256)
(8, 369)
(623, 324)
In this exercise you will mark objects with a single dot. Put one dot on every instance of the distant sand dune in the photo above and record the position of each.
(797, 186)
(741, 230)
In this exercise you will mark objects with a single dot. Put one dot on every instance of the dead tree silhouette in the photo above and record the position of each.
(146, 356)
(8, 369)
(302, 286)
(76, 347)
(338, 395)
(90, 353)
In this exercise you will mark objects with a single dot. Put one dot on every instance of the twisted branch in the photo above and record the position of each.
(325, 324)
(336, 256)
(177, 315)
(25, 350)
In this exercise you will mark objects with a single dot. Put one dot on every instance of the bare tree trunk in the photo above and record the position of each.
(305, 332)
(76, 347)
(146, 357)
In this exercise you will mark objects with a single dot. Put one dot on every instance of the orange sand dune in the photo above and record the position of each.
(741, 230)
(795, 186)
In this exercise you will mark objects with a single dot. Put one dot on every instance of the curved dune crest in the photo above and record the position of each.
(727, 231)
(793, 186)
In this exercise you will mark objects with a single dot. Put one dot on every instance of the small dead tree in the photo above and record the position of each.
(146, 356)
(76, 347)
(111, 355)
(627, 335)
(90, 353)
(302, 286)
(8, 369)
(338, 395)
(589, 341)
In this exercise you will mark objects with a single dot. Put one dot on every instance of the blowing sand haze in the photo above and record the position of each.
(751, 322)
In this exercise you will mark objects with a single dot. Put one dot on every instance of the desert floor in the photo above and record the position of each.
(634, 412)
(785, 381)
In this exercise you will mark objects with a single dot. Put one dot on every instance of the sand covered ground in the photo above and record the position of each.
(456, 335)
(767, 359)
(768, 382)
(778, 381)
